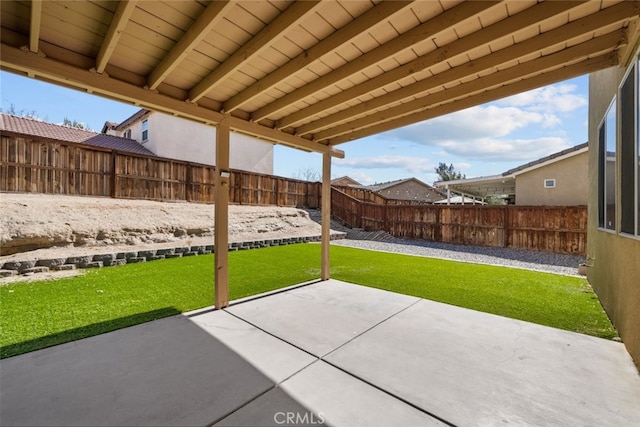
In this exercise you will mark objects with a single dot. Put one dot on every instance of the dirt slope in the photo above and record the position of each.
(34, 221)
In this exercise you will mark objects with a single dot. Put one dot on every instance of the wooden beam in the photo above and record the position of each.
(326, 217)
(212, 16)
(119, 21)
(511, 53)
(362, 23)
(221, 227)
(427, 30)
(276, 136)
(548, 78)
(456, 48)
(34, 25)
(282, 23)
(16, 60)
(634, 37)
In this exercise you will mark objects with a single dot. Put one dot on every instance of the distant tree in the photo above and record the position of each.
(29, 114)
(448, 173)
(74, 124)
(308, 174)
(495, 200)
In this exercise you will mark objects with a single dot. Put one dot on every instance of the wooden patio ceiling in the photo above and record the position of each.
(313, 74)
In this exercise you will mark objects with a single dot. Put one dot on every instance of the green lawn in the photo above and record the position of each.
(40, 314)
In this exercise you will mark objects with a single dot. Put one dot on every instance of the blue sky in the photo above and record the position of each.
(483, 140)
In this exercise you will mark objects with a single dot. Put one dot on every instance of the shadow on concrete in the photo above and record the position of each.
(164, 373)
(85, 331)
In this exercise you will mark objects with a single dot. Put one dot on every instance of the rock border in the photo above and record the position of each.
(109, 259)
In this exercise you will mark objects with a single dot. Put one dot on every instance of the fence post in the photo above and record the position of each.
(506, 227)
(189, 190)
(113, 174)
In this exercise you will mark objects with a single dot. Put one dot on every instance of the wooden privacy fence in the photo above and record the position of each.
(560, 229)
(38, 165)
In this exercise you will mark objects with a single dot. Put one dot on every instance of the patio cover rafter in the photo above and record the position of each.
(118, 23)
(344, 35)
(438, 56)
(525, 48)
(560, 74)
(530, 67)
(290, 17)
(211, 17)
(34, 25)
(424, 31)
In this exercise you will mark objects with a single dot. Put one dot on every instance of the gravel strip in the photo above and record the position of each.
(518, 258)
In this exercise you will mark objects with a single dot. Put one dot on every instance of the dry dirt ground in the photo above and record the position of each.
(34, 226)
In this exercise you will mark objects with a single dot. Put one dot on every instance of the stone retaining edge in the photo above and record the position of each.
(107, 259)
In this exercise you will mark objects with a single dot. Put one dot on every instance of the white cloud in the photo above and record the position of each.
(559, 98)
(472, 123)
(522, 127)
(504, 149)
(411, 164)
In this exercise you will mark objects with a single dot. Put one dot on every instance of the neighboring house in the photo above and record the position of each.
(176, 138)
(613, 246)
(560, 179)
(345, 181)
(406, 189)
(26, 127)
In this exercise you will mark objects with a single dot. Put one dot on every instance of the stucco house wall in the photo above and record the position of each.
(181, 139)
(572, 186)
(613, 258)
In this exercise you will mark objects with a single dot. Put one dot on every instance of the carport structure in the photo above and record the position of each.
(310, 74)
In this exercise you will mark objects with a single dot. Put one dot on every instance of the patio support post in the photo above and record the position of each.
(326, 213)
(221, 236)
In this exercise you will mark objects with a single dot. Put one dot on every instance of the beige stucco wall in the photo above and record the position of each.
(615, 259)
(572, 186)
(190, 141)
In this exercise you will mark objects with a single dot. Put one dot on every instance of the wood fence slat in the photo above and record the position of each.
(560, 229)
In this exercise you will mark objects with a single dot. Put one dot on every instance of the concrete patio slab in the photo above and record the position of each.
(272, 409)
(282, 360)
(473, 368)
(162, 373)
(386, 359)
(343, 400)
(323, 316)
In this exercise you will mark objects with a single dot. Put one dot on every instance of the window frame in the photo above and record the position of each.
(632, 72)
(549, 180)
(145, 130)
(620, 202)
(603, 132)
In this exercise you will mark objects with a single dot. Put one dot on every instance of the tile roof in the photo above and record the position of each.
(39, 128)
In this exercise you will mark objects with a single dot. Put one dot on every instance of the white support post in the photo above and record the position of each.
(221, 237)
(448, 196)
(326, 214)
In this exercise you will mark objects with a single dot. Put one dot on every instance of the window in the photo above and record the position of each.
(607, 170)
(549, 183)
(621, 128)
(145, 130)
(628, 155)
(127, 134)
